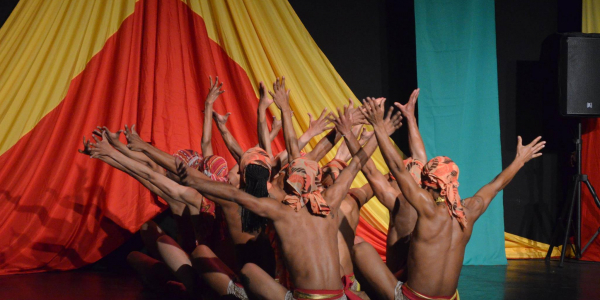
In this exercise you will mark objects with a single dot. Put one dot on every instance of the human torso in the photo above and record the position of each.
(436, 253)
(310, 250)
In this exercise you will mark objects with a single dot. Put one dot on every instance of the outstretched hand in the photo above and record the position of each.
(101, 148)
(532, 150)
(280, 95)
(357, 117)
(112, 137)
(343, 121)
(220, 119)
(373, 111)
(392, 122)
(214, 91)
(264, 101)
(87, 150)
(321, 124)
(134, 141)
(408, 109)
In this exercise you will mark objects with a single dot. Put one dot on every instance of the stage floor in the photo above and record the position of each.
(531, 279)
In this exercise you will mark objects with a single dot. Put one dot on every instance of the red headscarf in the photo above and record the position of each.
(191, 158)
(442, 173)
(215, 167)
(335, 167)
(304, 176)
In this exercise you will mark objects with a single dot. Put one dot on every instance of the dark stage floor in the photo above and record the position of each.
(532, 279)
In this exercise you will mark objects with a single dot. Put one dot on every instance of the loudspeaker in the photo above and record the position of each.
(579, 75)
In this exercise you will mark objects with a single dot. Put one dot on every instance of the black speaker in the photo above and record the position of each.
(579, 75)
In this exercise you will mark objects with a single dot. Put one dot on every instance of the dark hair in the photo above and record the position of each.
(255, 184)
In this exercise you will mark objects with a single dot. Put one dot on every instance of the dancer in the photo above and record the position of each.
(355, 199)
(403, 216)
(444, 225)
(307, 225)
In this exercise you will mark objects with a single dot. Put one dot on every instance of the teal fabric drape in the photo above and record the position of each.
(458, 105)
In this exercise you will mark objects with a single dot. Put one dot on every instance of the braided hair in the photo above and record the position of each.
(256, 178)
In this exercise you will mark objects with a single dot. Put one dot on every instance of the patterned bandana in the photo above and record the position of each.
(215, 167)
(442, 173)
(190, 157)
(335, 167)
(254, 156)
(304, 176)
(414, 167)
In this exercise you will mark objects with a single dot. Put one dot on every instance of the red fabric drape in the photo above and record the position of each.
(373, 236)
(590, 213)
(59, 209)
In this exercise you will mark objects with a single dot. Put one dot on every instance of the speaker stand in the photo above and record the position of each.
(575, 199)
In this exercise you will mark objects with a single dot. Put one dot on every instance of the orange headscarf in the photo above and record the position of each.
(304, 176)
(414, 167)
(254, 156)
(335, 167)
(442, 173)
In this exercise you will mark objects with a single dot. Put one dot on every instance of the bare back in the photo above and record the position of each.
(436, 253)
(309, 245)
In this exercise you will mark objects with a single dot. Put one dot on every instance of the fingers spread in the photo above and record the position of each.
(534, 141)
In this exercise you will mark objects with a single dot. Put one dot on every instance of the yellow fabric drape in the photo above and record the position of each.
(267, 39)
(31, 84)
(519, 248)
(590, 16)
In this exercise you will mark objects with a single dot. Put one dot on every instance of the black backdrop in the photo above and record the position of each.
(371, 43)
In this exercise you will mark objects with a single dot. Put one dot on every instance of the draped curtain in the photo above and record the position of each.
(590, 213)
(68, 66)
(458, 105)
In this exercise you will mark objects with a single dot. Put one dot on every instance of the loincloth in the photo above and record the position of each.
(404, 292)
(304, 294)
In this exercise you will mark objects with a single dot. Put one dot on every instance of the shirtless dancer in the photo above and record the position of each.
(305, 222)
(445, 223)
(356, 198)
(403, 216)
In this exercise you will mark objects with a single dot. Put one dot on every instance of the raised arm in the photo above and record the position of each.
(264, 102)
(175, 206)
(169, 187)
(281, 97)
(135, 143)
(338, 190)
(113, 139)
(213, 93)
(479, 203)
(417, 197)
(315, 127)
(384, 192)
(415, 142)
(331, 139)
(362, 195)
(230, 142)
(264, 207)
(343, 153)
